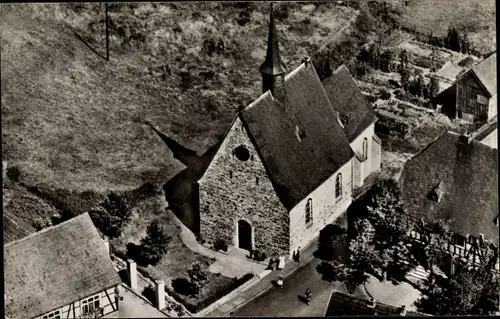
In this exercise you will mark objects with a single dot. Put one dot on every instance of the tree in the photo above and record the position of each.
(434, 56)
(452, 40)
(322, 65)
(374, 52)
(386, 60)
(433, 87)
(155, 243)
(403, 59)
(197, 276)
(465, 43)
(109, 216)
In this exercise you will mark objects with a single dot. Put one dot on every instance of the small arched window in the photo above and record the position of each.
(365, 148)
(338, 186)
(309, 212)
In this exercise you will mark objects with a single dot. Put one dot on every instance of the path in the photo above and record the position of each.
(228, 265)
(332, 38)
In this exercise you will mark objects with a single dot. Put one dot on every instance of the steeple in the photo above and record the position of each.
(273, 70)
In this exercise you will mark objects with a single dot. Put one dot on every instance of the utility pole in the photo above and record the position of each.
(107, 32)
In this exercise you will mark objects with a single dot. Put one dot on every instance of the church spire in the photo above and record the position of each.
(272, 70)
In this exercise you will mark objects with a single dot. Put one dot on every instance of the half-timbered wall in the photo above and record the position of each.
(107, 300)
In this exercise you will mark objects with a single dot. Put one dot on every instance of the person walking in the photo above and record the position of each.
(281, 263)
(297, 254)
(280, 281)
(308, 296)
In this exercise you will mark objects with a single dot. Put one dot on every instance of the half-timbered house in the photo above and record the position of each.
(63, 271)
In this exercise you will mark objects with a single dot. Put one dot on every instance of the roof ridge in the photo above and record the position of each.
(47, 229)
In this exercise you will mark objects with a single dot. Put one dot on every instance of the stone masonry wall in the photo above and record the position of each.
(325, 208)
(232, 189)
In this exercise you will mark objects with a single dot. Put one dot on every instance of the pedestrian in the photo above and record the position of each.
(280, 281)
(297, 255)
(271, 264)
(281, 263)
(294, 256)
(308, 296)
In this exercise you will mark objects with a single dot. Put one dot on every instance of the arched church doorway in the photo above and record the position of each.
(244, 235)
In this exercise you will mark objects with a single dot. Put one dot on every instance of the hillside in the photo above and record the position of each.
(72, 120)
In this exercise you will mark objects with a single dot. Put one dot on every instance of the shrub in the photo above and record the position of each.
(184, 287)
(220, 244)
(150, 294)
(385, 95)
(467, 62)
(259, 255)
(41, 223)
(13, 173)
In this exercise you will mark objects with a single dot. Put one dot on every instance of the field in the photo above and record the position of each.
(74, 121)
(475, 16)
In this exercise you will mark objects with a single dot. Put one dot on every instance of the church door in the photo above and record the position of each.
(244, 235)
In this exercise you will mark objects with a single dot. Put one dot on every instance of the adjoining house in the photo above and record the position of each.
(473, 96)
(63, 271)
(342, 304)
(488, 133)
(455, 178)
(291, 159)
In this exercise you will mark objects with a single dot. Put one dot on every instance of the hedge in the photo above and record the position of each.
(202, 304)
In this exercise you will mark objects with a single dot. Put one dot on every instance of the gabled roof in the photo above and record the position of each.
(486, 72)
(347, 99)
(342, 304)
(296, 168)
(467, 171)
(54, 267)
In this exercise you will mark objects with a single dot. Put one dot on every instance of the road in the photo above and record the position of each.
(285, 301)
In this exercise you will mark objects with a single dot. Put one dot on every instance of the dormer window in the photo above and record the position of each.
(365, 148)
(495, 221)
(437, 193)
(299, 133)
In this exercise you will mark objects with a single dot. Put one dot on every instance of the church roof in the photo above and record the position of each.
(466, 172)
(347, 99)
(273, 64)
(297, 166)
(54, 267)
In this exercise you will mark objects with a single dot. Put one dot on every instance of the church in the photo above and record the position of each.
(291, 159)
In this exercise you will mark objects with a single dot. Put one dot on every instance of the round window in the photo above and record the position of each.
(242, 153)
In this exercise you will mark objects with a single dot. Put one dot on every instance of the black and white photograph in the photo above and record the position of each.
(249, 159)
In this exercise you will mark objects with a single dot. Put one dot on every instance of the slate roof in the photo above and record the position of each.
(468, 173)
(54, 267)
(486, 72)
(347, 99)
(297, 168)
(486, 129)
(342, 304)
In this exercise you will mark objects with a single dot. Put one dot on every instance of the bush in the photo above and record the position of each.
(111, 214)
(220, 244)
(259, 255)
(150, 294)
(385, 95)
(184, 287)
(467, 62)
(41, 223)
(13, 173)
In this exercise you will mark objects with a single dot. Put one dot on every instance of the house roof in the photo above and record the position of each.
(347, 99)
(486, 72)
(54, 267)
(467, 171)
(295, 167)
(342, 304)
(486, 129)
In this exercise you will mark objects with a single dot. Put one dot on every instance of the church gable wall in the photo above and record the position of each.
(233, 189)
